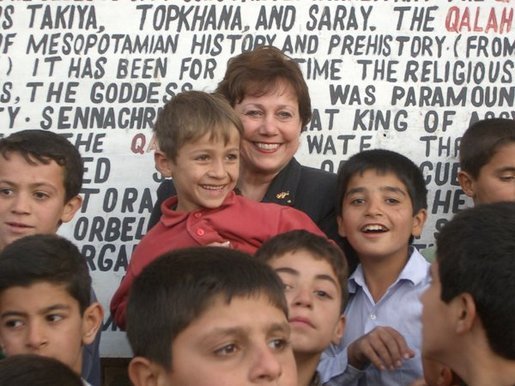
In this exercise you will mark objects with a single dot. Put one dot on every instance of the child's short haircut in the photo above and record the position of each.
(475, 254)
(36, 370)
(481, 141)
(384, 161)
(319, 247)
(257, 72)
(44, 146)
(189, 116)
(180, 286)
(46, 258)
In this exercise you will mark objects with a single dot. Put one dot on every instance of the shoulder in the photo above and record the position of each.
(314, 174)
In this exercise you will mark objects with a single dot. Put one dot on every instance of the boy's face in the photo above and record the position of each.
(32, 198)
(43, 319)
(436, 325)
(205, 171)
(245, 342)
(496, 180)
(377, 216)
(314, 300)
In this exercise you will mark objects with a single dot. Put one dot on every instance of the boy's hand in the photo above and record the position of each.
(384, 347)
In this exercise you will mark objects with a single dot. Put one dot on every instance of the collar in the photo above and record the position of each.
(171, 216)
(415, 271)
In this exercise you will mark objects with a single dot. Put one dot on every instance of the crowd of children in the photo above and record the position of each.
(225, 290)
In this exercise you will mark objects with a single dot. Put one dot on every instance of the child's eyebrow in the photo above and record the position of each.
(288, 270)
(8, 314)
(46, 310)
(243, 331)
(327, 278)
(294, 272)
(55, 307)
(506, 169)
(359, 189)
(393, 189)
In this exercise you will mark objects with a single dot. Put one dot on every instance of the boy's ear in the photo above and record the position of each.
(91, 322)
(465, 313)
(341, 225)
(418, 222)
(339, 330)
(70, 208)
(466, 182)
(162, 164)
(143, 372)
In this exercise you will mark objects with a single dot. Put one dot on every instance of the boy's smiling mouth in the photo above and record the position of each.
(213, 187)
(374, 228)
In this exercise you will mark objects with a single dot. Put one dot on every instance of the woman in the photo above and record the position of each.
(268, 91)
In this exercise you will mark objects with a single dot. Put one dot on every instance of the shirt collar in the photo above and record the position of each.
(415, 271)
(170, 216)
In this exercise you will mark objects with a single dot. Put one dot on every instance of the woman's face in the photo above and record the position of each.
(272, 129)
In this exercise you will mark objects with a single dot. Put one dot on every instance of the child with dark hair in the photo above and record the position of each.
(487, 175)
(41, 176)
(314, 273)
(198, 135)
(36, 370)
(469, 307)
(40, 181)
(218, 316)
(487, 161)
(382, 201)
(45, 300)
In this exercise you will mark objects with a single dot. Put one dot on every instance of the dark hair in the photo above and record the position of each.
(36, 370)
(482, 140)
(257, 72)
(384, 161)
(179, 286)
(43, 147)
(475, 254)
(46, 258)
(189, 116)
(319, 248)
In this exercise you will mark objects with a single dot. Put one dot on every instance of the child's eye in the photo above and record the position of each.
(287, 287)
(233, 157)
(322, 294)
(13, 323)
(202, 157)
(507, 178)
(357, 201)
(6, 192)
(279, 344)
(392, 201)
(41, 195)
(53, 318)
(226, 350)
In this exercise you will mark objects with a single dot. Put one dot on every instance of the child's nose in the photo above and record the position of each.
(21, 203)
(36, 336)
(374, 207)
(217, 169)
(303, 297)
(266, 366)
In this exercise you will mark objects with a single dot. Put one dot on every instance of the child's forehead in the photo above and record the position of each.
(305, 263)
(374, 175)
(221, 302)
(39, 294)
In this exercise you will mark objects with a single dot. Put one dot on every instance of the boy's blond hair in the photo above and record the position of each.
(191, 115)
